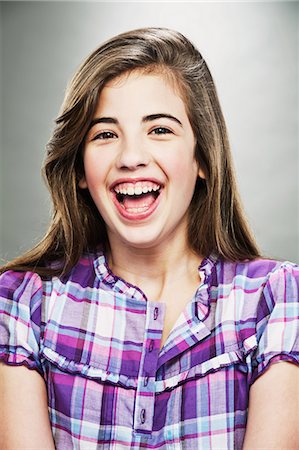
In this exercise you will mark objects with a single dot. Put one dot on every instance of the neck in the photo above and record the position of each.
(156, 270)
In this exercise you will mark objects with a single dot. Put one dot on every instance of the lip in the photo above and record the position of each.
(140, 215)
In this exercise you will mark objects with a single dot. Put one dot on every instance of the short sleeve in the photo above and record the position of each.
(277, 320)
(20, 318)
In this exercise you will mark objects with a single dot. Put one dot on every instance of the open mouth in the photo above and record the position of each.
(136, 199)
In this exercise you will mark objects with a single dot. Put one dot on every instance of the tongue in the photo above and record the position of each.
(140, 201)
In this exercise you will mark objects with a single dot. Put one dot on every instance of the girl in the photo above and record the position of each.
(146, 314)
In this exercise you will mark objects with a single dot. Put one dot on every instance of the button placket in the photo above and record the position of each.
(151, 346)
(142, 416)
(145, 382)
(145, 395)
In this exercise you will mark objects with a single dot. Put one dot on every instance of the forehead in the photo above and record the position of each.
(162, 73)
(146, 87)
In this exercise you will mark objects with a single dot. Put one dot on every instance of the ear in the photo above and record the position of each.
(82, 183)
(201, 173)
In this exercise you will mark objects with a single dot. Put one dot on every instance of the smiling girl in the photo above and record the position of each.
(147, 315)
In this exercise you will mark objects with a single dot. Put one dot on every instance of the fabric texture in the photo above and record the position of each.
(95, 339)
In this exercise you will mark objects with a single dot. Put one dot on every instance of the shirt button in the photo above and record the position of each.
(142, 416)
(151, 346)
(145, 381)
(156, 312)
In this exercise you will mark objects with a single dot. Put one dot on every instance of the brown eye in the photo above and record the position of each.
(104, 135)
(161, 130)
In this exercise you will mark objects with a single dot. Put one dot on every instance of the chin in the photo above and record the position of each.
(140, 239)
(141, 243)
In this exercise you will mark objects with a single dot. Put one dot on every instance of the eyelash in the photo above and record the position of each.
(105, 135)
(165, 130)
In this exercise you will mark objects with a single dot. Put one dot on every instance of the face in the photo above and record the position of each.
(139, 161)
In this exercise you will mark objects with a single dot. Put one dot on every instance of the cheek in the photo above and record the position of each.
(182, 168)
(94, 169)
(185, 173)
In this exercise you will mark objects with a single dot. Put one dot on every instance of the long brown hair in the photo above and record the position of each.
(216, 220)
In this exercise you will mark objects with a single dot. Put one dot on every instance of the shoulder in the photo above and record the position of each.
(279, 280)
(248, 292)
(258, 273)
(12, 281)
(16, 284)
(21, 296)
(82, 274)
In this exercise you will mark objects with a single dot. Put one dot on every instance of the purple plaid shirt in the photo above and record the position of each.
(95, 340)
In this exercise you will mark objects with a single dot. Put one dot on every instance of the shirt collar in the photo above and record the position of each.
(109, 280)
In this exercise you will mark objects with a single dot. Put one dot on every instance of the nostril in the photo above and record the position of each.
(131, 166)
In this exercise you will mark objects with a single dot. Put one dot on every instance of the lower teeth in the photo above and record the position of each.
(135, 210)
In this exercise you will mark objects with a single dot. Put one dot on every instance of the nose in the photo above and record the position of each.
(132, 154)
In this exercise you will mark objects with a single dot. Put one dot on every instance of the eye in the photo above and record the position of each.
(160, 130)
(104, 135)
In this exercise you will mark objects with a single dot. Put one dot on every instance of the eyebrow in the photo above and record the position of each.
(145, 119)
(160, 116)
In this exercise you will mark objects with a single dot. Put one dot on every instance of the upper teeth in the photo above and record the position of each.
(136, 189)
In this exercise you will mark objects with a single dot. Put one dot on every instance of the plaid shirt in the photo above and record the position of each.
(95, 339)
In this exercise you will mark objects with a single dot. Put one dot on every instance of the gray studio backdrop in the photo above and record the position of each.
(252, 51)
